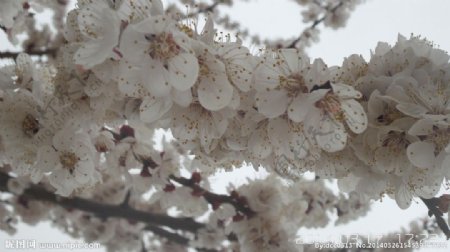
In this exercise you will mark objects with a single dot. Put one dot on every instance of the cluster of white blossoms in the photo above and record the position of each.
(405, 150)
(84, 126)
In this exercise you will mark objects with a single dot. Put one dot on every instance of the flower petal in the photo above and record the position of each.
(182, 98)
(422, 127)
(421, 154)
(299, 108)
(355, 116)
(156, 77)
(259, 145)
(332, 136)
(215, 93)
(133, 45)
(183, 71)
(345, 91)
(403, 197)
(267, 76)
(153, 108)
(272, 103)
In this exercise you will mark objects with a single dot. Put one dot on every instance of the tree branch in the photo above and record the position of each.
(315, 24)
(104, 210)
(13, 55)
(239, 203)
(209, 8)
(169, 235)
(181, 240)
(433, 209)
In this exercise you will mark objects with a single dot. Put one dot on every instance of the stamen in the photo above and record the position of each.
(30, 125)
(162, 46)
(69, 160)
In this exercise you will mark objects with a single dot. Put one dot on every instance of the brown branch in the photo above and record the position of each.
(169, 235)
(239, 203)
(40, 53)
(433, 209)
(315, 24)
(104, 210)
(181, 240)
(209, 8)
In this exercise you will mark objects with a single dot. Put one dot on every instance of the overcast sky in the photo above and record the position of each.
(372, 21)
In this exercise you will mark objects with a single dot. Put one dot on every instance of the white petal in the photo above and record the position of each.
(63, 139)
(130, 81)
(411, 109)
(92, 53)
(348, 184)
(428, 191)
(83, 171)
(156, 77)
(292, 59)
(403, 197)
(235, 100)
(215, 94)
(267, 76)
(422, 127)
(184, 124)
(299, 108)
(345, 91)
(355, 116)
(154, 25)
(421, 154)
(287, 142)
(62, 181)
(182, 98)
(240, 73)
(298, 146)
(332, 136)
(183, 71)
(272, 103)
(133, 45)
(208, 33)
(48, 159)
(91, 19)
(153, 108)
(207, 133)
(102, 25)
(259, 145)
(445, 166)
(157, 8)
(278, 133)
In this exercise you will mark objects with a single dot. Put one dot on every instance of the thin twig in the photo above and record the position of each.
(169, 235)
(209, 8)
(13, 55)
(315, 24)
(213, 198)
(432, 205)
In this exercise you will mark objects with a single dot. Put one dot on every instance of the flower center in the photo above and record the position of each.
(204, 69)
(293, 84)
(187, 30)
(69, 160)
(162, 46)
(440, 137)
(396, 141)
(330, 103)
(30, 125)
(391, 114)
